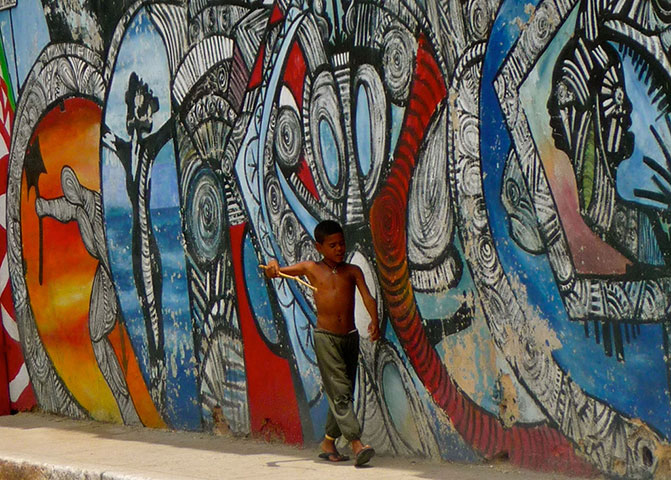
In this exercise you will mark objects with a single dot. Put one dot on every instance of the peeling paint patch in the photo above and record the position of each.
(537, 331)
(508, 408)
(220, 425)
(271, 431)
(470, 358)
(662, 455)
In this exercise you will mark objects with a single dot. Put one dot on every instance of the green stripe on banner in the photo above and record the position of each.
(5, 75)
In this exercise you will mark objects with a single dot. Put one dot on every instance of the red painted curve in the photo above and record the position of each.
(268, 375)
(532, 446)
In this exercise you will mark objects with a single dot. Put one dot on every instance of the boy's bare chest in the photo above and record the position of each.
(334, 285)
(340, 282)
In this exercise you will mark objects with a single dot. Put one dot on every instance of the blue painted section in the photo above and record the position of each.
(182, 398)
(24, 34)
(362, 124)
(304, 217)
(329, 152)
(257, 292)
(397, 402)
(441, 305)
(633, 173)
(644, 371)
(118, 226)
(445, 304)
(452, 446)
(334, 12)
(142, 51)
(397, 113)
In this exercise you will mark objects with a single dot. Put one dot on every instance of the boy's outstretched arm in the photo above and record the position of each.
(273, 269)
(370, 304)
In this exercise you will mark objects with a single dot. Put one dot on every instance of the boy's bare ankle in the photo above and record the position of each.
(356, 445)
(328, 444)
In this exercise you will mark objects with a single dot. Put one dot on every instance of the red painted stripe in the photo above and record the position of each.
(272, 404)
(305, 175)
(486, 433)
(257, 72)
(294, 73)
(478, 430)
(25, 402)
(277, 15)
(4, 381)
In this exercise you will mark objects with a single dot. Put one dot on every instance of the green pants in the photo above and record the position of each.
(338, 358)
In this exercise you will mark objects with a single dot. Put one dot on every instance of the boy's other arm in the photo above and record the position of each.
(369, 302)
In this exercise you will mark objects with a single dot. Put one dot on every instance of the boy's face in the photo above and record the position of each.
(332, 248)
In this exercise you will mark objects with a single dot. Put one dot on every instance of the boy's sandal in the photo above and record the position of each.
(364, 456)
(333, 457)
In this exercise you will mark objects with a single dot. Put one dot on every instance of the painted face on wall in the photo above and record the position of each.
(590, 116)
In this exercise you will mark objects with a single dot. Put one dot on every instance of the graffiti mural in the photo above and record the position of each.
(502, 171)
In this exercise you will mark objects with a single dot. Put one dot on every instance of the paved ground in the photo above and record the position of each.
(37, 446)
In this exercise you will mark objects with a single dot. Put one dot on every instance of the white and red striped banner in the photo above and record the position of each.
(16, 392)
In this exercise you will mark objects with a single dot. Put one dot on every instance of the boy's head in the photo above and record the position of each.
(330, 241)
(326, 228)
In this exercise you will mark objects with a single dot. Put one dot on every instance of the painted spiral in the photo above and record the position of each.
(288, 138)
(205, 215)
(398, 62)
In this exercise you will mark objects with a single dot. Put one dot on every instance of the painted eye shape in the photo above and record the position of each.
(370, 125)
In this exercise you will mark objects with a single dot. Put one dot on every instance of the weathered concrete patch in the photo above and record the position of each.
(14, 470)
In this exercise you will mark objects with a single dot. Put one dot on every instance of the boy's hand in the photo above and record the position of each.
(272, 269)
(374, 331)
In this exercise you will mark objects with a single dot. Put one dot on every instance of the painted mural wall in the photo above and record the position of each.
(502, 169)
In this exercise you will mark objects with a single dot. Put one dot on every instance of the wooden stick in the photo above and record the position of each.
(291, 277)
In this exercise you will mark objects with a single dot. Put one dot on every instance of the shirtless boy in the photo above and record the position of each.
(336, 339)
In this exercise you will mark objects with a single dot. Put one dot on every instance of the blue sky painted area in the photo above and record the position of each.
(142, 52)
(118, 225)
(636, 387)
(26, 40)
(142, 42)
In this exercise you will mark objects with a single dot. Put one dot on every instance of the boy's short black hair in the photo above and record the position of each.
(326, 228)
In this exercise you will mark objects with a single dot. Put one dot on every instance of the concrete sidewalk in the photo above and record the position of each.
(38, 446)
